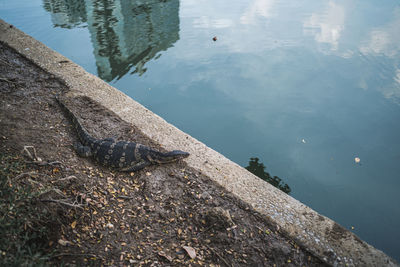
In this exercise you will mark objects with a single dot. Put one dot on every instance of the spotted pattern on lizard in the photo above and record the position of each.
(122, 155)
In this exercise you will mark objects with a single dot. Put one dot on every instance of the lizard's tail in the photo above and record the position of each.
(83, 135)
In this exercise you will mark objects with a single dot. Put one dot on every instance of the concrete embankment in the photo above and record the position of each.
(320, 235)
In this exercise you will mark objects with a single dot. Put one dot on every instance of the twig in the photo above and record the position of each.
(82, 255)
(125, 197)
(34, 157)
(5, 62)
(35, 182)
(26, 174)
(62, 202)
(43, 163)
(219, 256)
(66, 178)
(29, 174)
(51, 163)
(58, 191)
(6, 80)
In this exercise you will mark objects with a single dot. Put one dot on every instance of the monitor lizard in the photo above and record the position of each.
(123, 155)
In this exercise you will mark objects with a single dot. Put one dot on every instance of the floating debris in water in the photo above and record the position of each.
(215, 38)
(357, 160)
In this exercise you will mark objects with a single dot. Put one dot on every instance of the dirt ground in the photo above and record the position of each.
(167, 215)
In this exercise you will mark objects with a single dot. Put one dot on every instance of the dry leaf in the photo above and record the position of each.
(190, 251)
(163, 254)
(73, 224)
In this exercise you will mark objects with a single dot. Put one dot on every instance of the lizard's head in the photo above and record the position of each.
(171, 156)
(176, 155)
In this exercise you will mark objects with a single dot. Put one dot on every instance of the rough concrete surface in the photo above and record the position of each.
(320, 235)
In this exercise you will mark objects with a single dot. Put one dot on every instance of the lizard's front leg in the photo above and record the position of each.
(137, 166)
(83, 151)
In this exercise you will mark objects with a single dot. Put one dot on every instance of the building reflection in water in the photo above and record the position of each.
(125, 33)
(66, 13)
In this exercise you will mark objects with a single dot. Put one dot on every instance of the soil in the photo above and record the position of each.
(167, 215)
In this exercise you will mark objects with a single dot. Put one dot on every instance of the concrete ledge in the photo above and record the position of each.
(320, 235)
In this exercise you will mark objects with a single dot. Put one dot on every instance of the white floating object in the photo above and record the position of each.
(303, 141)
(357, 160)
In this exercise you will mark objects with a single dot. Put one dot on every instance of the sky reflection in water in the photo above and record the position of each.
(306, 86)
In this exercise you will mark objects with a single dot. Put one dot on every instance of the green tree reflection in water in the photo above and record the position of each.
(258, 169)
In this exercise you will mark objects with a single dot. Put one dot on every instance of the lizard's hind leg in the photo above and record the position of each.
(136, 166)
(83, 151)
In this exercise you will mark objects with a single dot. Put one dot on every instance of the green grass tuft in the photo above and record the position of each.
(24, 225)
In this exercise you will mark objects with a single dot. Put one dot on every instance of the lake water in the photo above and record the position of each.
(308, 87)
